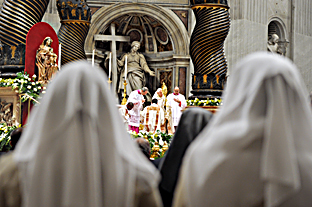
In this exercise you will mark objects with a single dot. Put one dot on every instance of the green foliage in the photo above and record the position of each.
(159, 137)
(5, 132)
(25, 85)
(208, 102)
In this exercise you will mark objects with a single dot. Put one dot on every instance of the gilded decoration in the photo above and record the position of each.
(75, 18)
(207, 45)
(144, 29)
(46, 61)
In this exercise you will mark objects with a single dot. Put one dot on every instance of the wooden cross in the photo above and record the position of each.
(113, 38)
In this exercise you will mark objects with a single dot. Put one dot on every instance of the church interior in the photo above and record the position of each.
(86, 86)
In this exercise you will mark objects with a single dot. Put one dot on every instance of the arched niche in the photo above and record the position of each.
(168, 63)
(277, 26)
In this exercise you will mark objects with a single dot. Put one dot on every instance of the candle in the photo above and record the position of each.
(93, 58)
(110, 66)
(126, 67)
(59, 57)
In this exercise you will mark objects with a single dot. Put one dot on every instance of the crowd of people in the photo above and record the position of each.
(255, 151)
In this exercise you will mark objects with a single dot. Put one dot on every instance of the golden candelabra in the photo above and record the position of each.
(124, 100)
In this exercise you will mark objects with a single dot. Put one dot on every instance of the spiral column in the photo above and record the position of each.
(75, 18)
(207, 46)
(16, 18)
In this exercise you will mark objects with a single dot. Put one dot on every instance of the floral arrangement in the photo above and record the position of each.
(208, 102)
(159, 137)
(5, 136)
(25, 85)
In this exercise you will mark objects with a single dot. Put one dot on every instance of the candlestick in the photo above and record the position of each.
(124, 100)
(110, 66)
(59, 57)
(93, 58)
(126, 68)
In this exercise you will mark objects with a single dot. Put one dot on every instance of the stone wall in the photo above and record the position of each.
(302, 25)
(249, 31)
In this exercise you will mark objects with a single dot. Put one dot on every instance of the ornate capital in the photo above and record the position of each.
(73, 10)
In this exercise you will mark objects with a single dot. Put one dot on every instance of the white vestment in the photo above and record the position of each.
(153, 117)
(258, 149)
(74, 151)
(136, 98)
(175, 107)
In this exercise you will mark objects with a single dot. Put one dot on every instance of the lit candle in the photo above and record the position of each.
(93, 58)
(126, 67)
(110, 66)
(59, 57)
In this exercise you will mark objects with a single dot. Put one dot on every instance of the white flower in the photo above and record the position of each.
(4, 84)
(35, 89)
(37, 82)
(25, 81)
(2, 137)
(29, 87)
(34, 76)
(33, 83)
(39, 87)
(43, 92)
(29, 79)
(44, 87)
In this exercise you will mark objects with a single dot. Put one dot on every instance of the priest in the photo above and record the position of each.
(161, 101)
(137, 98)
(176, 103)
(153, 117)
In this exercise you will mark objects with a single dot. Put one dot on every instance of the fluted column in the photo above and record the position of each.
(75, 21)
(16, 18)
(207, 46)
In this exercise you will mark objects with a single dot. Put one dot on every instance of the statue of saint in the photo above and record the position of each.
(136, 66)
(273, 43)
(46, 61)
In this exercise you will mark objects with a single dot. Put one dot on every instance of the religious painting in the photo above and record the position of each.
(9, 107)
(165, 76)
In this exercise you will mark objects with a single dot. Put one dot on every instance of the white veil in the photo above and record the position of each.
(75, 151)
(265, 100)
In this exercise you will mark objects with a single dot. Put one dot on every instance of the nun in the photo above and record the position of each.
(76, 152)
(258, 149)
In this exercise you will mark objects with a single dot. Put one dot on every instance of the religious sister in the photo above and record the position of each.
(75, 152)
(258, 149)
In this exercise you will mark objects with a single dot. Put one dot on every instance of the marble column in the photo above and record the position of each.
(207, 47)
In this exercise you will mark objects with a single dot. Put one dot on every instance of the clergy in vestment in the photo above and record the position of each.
(137, 98)
(176, 103)
(154, 117)
(161, 101)
(257, 151)
(74, 152)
